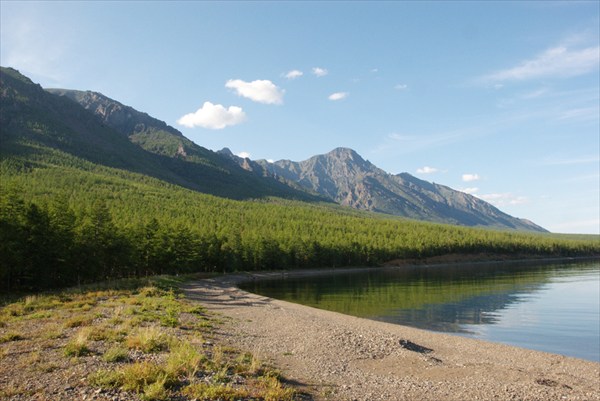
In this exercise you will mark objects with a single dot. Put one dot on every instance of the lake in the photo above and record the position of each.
(549, 307)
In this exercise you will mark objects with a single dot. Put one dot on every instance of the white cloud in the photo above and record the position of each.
(427, 170)
(504, 199)
(401, 87)
(243, 155)
(320, 72)
(293, 74)
(470, 177)
(262, 91)
(338, 95)
(558, 61)
(471, 190)
(213, 116)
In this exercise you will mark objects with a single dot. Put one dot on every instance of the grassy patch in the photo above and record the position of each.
(205, 391)
(78, 345)
(79, 320)
(116, 354)
(140, 337)
(10, 336)
(148, 339)
(184, 360)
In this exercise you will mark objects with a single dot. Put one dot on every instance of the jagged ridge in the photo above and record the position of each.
(343, 176)
(109, 133)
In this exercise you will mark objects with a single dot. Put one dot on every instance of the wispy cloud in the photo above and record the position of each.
(320, 72)
(581, 114)
(427, 170)
(571, 161)
(503, 199)
(262, 91)
(535, 94)
(29, 46)
(213, 116)
(578, 226)
(408, 143)
(401, 87)
(470, 190)
(338, 96)
(470, 177)
(293, 74)
(243, 155)
(559, 61)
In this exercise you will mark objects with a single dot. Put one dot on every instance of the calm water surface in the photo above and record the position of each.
(553, 308)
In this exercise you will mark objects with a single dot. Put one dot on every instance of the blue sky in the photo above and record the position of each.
(498, 99)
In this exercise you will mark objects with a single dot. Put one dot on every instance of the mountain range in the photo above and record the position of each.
(101, 130)
(105, 132)
(343, 176)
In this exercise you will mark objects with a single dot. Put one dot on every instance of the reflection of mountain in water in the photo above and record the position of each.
(452, 317)
(433, 298)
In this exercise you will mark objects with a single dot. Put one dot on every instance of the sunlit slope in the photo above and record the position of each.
(35, 122)
(80, 202)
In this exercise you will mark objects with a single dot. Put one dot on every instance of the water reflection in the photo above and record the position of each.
(496, 302)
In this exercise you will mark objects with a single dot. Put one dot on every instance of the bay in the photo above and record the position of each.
(547, 307)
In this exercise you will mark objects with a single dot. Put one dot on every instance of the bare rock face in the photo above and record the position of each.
(343, 176)
(116, 115)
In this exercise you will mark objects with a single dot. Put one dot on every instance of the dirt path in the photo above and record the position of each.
(341, 357)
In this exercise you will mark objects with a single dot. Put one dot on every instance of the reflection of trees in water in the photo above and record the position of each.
(434, 298)
(452, 317)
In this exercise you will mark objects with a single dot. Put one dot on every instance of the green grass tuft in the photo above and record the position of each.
(116, 354)
(11, 336)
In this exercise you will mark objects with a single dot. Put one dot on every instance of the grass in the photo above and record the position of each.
(148, 339)
(116, 354)
(79, 320)
(135, 337)
(185, 360)
(204, 391)
(78, 345)
(11, 336)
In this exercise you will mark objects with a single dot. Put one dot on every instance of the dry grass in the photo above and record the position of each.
(147, 341)
(79, 344)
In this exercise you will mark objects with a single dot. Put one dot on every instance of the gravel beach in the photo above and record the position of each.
(333, 356)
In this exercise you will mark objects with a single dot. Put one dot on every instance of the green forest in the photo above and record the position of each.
(65, 221)
(82, 202)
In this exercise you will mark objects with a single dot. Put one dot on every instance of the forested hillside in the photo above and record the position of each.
(67, 225)
(69, 215)
(34, 120)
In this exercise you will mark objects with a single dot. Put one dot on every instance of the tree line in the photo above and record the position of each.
(54, 244)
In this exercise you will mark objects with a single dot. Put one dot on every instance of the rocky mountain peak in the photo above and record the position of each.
(343, 176)
(124, 119)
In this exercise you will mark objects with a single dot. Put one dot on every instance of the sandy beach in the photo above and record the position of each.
(333, 356)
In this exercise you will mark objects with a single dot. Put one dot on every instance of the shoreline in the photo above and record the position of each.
(241, 277)
(339, 357)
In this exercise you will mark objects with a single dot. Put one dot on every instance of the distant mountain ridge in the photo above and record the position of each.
(37, 125)
(343, 176)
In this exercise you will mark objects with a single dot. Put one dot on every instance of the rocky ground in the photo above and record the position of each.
(140, 343)
(338, 357)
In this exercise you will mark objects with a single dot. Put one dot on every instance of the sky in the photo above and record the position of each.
(497, 99)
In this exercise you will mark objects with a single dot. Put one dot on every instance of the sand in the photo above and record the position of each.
(332, 356)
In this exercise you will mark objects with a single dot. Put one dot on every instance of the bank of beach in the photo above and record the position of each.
(340, 357)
